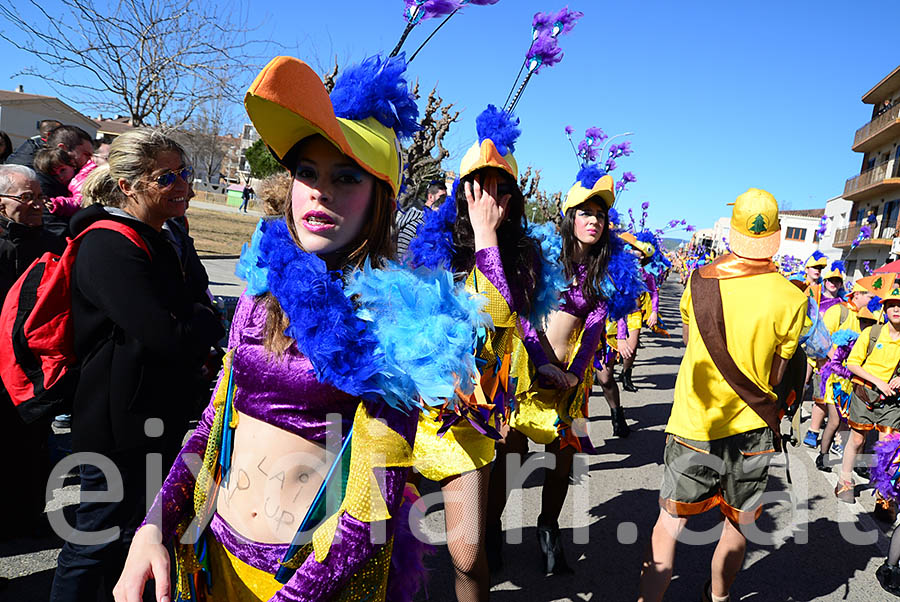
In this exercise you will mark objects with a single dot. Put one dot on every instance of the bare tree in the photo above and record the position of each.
(425, 153)
(539, 206)
(207, 139)
(158, 61)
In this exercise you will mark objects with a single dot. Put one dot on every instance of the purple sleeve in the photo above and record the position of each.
(622, 329)
(488, 262)
(175, 500)
(650, 281)
(594, 332)
(353, 546)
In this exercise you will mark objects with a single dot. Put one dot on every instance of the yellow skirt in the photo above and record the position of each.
(233, 580)
(461, 449)
(540, 413)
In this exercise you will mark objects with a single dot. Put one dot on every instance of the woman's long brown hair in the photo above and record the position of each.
(596, 259)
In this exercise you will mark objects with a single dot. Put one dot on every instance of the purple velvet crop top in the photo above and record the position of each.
(489, 263)
(285, 393)
(594, 317)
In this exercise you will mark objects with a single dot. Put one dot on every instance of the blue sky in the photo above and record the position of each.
(721, 96)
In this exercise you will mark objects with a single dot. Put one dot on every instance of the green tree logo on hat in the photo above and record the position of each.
(877, 283)
(759, 224)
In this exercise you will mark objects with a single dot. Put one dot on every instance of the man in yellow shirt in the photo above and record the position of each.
(876, 368)
(742, 322)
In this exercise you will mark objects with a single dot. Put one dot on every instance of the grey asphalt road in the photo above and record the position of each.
(811, 548)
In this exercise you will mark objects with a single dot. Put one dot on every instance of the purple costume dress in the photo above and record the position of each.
(286, 394)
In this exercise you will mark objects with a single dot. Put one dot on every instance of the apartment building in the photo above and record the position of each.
(875, 192)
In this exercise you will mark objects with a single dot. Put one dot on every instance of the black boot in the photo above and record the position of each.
(554, 561)
(494, 547)
(620, 427)
(820, 463)
(627, 383)
(888, 576)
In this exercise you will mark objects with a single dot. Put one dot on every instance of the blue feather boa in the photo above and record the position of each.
(391, 334)
(623, 283)
(553, 280)
(844, 337)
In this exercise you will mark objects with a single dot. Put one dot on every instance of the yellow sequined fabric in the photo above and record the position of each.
(186, 564)
(540, 413)
(462, 448)
(236, 581)
(375, 445)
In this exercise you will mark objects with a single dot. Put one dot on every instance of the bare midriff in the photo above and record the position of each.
(559, 331)
(275, 475)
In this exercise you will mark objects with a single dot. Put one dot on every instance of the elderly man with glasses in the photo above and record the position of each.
(23, 447)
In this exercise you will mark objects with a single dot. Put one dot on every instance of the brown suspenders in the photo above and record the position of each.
(706, 297)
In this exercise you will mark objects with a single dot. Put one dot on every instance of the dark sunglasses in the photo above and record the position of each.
(168, 178)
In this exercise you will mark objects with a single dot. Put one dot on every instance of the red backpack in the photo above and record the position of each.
(36, 338)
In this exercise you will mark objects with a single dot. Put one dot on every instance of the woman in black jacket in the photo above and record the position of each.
(141, 336)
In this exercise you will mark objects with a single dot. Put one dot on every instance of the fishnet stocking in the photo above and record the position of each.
(465, 504)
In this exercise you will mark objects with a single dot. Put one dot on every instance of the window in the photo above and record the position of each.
(795, 234)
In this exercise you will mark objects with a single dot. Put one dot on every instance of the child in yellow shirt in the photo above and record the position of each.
(877, 371)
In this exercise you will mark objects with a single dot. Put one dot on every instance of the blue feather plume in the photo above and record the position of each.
(553, 280)
(433, 245)
(377, 88)
(589, 174)
(844, 337)
(612, 216)
(874, 304)
(838, 266)
(817, 255)
(623, 283)
(500, 127)
(250, 267)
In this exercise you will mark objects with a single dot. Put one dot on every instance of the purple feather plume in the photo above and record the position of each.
(480, 2)
(595, 136)
(377, 88)
(565, 20)
(569, 130)
(885, 471)
(543, 21)
(501, 127)
(544, 52)
(419, 10)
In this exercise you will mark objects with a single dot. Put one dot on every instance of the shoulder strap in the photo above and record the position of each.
(706, 297)
(123, 229)
(874, 332)
(845, 311)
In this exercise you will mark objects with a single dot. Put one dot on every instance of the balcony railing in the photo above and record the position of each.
(871, 177)
(876, 125)
(881, 235)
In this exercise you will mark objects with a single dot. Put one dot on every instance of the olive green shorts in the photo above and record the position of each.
(729, 473)
(885, 418)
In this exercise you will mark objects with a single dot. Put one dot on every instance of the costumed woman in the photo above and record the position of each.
(604, 281)
(480, 232)
(306, 444)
